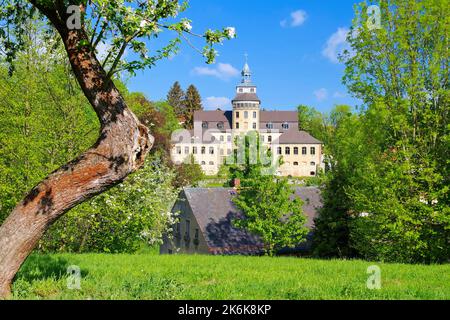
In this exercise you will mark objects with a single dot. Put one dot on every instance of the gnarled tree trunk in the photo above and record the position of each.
(121, 149)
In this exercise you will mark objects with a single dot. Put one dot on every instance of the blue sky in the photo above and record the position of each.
(291, 46)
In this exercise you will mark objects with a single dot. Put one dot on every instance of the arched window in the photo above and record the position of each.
(287, 150)
(205, 125)
(203, 163)
(312, 163)
(211, 150)
(295, 150)
(203, 150)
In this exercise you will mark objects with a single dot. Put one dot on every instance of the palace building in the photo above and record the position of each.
(212, 139)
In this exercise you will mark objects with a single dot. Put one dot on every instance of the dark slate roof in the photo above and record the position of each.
(278, 116)
(214, 211)
(214, 116)
(246, 97)
(312, 202)
(295, 136)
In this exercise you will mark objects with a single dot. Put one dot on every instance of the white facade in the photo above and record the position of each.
(212, 139)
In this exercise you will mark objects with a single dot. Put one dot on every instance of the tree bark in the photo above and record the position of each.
(120, 150)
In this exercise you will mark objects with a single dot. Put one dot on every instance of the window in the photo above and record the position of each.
(245, 114)
(285, 125)
(196, 234)
(269, 138)
(221, 152)
(279, 150)
(237, 125)
(179, 150)
(287, 150)
(241, 90)
(313, 150)
(254, 125)
(203, 150)
(222, 138)
(229, 151)
(295, 150)
(211, 163)
(269, 125)
(237, 114)
(304, 150)
(254, 114)
(220, 125)
(188, 228)
(262, 138)
(194, 150)
(203, 163)
(186, 150)
(312, 163)
(211, 150)
(252, 90)
(229, 138)
(205, 125)
(296, 163)
(312, 173)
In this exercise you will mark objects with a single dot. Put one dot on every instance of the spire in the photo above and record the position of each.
(246, 73)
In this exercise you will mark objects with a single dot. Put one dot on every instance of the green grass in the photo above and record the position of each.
(150, 276)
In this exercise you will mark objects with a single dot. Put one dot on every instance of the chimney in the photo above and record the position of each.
(237, 183)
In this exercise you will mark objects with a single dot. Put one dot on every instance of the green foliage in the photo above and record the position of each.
(193, 102)
(188, 174)
(388, 194)
(176, 98)
(45, 119)
(193, 277)
(135, 211)
(270, 210)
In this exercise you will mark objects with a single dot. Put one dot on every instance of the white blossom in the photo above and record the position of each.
(187, 26)
(143, 24)
(231, 32)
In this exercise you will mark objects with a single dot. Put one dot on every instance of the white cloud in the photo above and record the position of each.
(336, 44)
(321, 94)
(296, 19)
(338, 94)
(223, 71)
(212, 103)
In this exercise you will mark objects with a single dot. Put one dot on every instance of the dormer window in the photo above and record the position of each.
(269, 125)
(205, 125)
(220, 125)
(285, 125)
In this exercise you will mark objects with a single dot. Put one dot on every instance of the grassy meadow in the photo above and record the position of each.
(151, 276)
